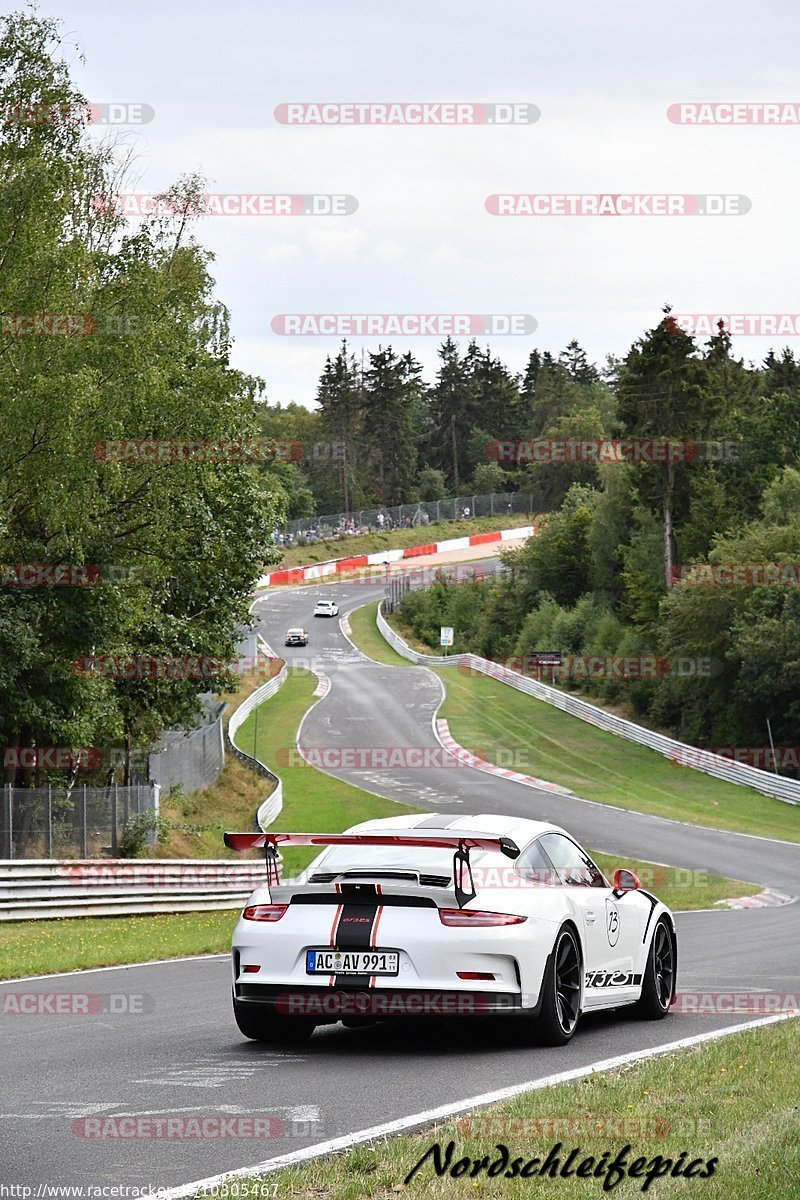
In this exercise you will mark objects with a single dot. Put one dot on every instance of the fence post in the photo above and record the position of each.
(8, 831)
(491, 503)
(84, 850)
(49, 820)
(114, 799)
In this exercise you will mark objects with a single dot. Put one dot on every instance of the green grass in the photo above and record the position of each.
(43, 947)
(680, 890)
(733, 1100)
(369, 640)
(495, 720)
(514, 730)
(394, 539)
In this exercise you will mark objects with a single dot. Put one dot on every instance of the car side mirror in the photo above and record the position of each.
(625, 881)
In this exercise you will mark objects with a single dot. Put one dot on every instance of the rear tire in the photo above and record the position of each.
(262, 1024)
(561, 992)
(659, 976)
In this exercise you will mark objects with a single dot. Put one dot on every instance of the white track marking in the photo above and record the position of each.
(403, 1124)
(153, 962)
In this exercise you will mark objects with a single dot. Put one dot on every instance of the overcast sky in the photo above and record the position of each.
(421, 240)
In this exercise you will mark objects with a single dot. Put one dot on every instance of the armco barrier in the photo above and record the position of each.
(768, 784)
(92, 887)
(273, 803)
(336, 566)
(100, 887)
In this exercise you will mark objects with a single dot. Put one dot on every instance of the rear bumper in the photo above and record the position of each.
(330, 1004)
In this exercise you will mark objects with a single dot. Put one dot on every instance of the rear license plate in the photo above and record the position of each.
(352, 962)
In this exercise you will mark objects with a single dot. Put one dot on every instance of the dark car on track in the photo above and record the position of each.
(296, 637)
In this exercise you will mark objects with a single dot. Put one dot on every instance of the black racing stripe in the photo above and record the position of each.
(653, 902)
(354, 931)
(387, 901)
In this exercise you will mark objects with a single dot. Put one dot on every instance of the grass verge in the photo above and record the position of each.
(43, 947)
(733, 1102)
(394, 539)
(504, 725)
(515, 730)
(369, 640)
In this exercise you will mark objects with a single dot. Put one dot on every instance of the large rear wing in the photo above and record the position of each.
(460, 843)
(444, 841)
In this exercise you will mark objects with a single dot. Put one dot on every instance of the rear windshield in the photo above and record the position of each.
(431, 860)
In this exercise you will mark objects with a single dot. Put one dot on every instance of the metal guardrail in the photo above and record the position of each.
(268, 810)
(45, 888)
(418, 513)
(787, 790)
(100, 887)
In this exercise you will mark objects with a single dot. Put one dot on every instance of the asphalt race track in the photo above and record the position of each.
(183, 1054)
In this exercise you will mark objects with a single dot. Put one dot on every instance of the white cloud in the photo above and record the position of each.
(603, 77)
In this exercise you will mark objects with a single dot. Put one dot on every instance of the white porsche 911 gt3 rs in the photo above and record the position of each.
(446, 915)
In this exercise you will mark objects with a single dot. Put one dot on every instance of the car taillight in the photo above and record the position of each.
(480, 920)
(264, 912)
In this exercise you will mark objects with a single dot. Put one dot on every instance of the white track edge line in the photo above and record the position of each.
(152, 962)
(402, 1124)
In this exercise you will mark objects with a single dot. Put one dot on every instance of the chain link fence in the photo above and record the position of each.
(190, 759)
(77, 822)
(404, 516)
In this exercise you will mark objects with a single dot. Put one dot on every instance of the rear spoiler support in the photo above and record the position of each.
(461, 870)
(271, 859)
(462, 843)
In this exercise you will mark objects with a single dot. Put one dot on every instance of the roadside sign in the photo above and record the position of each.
(446, 635)
(546, 658)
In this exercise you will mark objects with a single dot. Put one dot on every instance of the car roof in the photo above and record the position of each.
(296, 629)
(519, 829)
